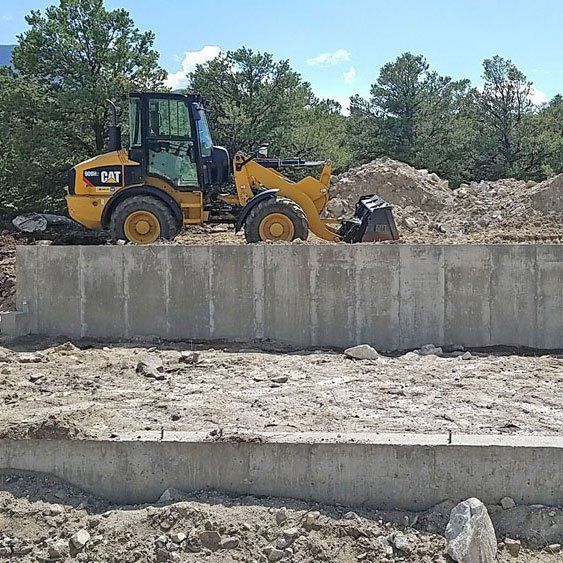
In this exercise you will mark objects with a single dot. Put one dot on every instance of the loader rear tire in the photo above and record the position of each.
(143, 220)
(276, 219)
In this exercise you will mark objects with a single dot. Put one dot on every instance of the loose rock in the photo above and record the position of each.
(470, 533)
(279, 379)
(400, 542)
(281, 516)
(229, 543)
(274, 554)
(210, 539)
(430, 350)
(30, 357)
(172, 495)
(57, 550)
(507, 503)
(80, 539)
(362, 352)
(189, 357)
(151, 366)
(513, 546)
(178, 537)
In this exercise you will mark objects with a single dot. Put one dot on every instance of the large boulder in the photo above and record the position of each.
(470, 533)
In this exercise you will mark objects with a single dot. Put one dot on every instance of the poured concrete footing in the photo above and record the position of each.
(408, 472)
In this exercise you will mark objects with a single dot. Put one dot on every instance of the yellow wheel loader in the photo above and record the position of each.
(172, 175)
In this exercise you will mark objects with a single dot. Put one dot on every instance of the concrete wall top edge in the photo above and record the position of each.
(328, 439)
(298, 245)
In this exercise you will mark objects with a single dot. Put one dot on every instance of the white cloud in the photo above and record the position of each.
(330, 59)
(537, 97)
(7, 18)
(191, 59)
(349, 75)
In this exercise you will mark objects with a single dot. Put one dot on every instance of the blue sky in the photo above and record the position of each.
(339, 46)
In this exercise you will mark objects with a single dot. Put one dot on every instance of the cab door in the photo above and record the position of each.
(171, 147)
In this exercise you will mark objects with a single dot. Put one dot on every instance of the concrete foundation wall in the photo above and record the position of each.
(391, 296)
(404, 472)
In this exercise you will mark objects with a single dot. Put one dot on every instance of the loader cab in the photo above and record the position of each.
(170, 138)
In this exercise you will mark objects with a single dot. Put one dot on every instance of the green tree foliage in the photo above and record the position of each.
(462, 133)
(506, 122)
(74, 56)
(414, 115)
(255, 99)
(34, 146)
(549, 134)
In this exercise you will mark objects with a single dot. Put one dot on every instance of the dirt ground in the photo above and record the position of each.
(43, 519)
(100, 390)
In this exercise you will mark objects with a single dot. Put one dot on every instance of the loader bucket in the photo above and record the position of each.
(372, 222)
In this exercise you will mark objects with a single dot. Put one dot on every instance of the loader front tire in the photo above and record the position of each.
(276, 219)
(143, 220)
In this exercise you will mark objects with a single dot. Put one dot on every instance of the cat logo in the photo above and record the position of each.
(110, 176)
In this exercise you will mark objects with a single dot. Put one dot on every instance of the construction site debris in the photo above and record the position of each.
(45, 519)
(513, 546)
(151, 366)
(39, 222)
(428, 211)
(430, 350)
(79, 539)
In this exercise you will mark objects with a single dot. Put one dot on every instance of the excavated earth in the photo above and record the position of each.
(428, 211)
(43, 519)
(103, 390)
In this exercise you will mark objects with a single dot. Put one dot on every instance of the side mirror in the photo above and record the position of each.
(263, 150)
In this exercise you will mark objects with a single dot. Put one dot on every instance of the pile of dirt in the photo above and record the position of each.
(396, 182)
(427, 211)
(45, 519)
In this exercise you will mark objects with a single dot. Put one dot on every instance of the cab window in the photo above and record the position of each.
(171, 150)
(169, 118)
(135, 122)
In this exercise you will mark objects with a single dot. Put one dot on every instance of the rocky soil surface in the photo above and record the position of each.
(103, 390)
(43, 519)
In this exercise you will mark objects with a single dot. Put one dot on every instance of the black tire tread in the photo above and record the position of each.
(275, 205)
(169, 227)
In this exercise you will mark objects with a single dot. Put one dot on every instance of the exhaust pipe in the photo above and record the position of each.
(114, 130)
